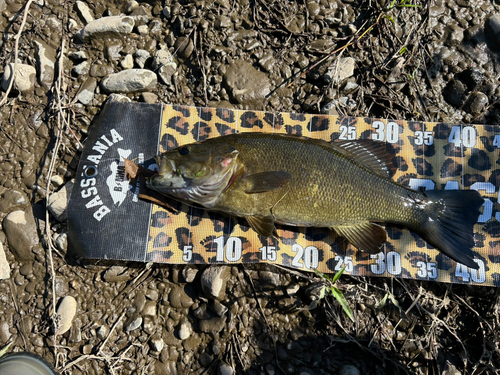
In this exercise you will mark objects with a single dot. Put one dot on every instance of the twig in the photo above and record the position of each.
(50, 245)
(16, 52)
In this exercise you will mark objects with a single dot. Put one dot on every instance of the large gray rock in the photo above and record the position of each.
(246, 85)
(130, 80)
(22, 236)
(214, 281)
(24, 80)
(4, 265)
(107, 25)
(45, 60)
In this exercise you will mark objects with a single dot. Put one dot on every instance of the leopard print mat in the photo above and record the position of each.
(427, 155)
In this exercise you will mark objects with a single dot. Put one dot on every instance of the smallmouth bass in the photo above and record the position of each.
(293, 180)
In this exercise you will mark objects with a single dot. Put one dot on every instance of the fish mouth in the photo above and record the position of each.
(205, 194)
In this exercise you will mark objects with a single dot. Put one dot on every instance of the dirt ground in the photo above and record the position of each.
(436, 61)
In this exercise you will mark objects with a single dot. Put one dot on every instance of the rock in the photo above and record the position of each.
(214, 325)
(46, 57)
(162, 57)
(141, 56)
(454, 93)
(127, 62)
(12, 199)
(66, 311)
(78, 55)
(292, 290)
(107, 25)
(340, 70)
(185, 330)
(84, 12)
(222, 22)
(149, 309)
(472, 77)
(178, 297)
(455, 35)
(149, 97)
(218, 307)
(130, 80)
(102, 332)
(156, 343)
(24, 80)
(143, 29)
(116, 274)
(225, 369)
(349, 370)
(267, 62)
(86, 95)
(81, 69)
(62, 242)
(270, 278)
(492, 31)
(246, 85)
(140, 16)
(57, 180)
(117, 98)
(184, 47)
(100, 70)
(214, 280)
(476, 102)
(166, 72)
(189, 273)
(4, 265)
(133, 324)
(20, 229)
(58, 202)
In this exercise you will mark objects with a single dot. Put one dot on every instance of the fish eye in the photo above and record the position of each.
(184, 151)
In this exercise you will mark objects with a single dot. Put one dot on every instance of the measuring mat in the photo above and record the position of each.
(108, 220)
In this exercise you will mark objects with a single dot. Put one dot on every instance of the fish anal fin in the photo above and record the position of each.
(265, 181)
(375, 156)
(364, 236)
(263, 225)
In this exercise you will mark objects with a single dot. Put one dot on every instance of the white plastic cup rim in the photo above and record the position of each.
(25, 363)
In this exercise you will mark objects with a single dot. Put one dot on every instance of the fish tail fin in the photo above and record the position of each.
(449, 223)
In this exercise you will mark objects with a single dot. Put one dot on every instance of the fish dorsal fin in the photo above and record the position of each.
(365, 236)
(263, 225)
(370, 154)
(265, 181)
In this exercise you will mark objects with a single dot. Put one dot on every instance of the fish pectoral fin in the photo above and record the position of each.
(263, 225)
(365, 236)
(265, 181)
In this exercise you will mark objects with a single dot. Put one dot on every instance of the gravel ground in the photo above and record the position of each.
(435, 62)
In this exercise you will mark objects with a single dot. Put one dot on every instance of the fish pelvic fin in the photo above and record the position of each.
(364, 236)
(263, 225)
(449, 225)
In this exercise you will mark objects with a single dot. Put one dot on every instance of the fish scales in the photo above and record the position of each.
(345, 186)
(325, 190)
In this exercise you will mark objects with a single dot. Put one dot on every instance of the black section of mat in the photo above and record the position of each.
(106, 220)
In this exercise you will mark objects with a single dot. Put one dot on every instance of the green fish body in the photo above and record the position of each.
(345, 186)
